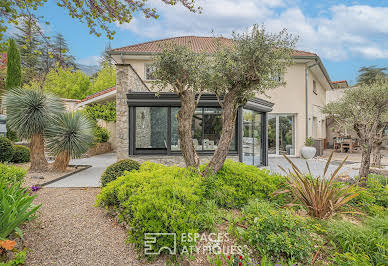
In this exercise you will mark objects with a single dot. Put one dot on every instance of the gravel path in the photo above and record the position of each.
(69, 230)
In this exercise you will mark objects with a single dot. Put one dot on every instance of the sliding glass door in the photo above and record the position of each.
(252, 131)
(281, 134)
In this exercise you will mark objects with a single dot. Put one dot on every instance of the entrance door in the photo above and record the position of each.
(281, 134)
(252, 129)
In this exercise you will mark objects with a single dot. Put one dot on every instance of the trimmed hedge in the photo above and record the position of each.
(117, 169)
(21, 154)
(6, 149)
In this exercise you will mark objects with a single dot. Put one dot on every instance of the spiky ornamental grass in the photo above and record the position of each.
(70, 132)
(29, 112)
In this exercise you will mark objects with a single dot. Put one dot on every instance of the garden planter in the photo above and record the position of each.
(308, 152)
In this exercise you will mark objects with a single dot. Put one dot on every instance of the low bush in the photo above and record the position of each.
(21, 154)
(101, 135)
(278, 233)
(373, 199)
(6, 149)
(117, 169)
(363, 244)
(158, 199)
(236, 183)
(11, 174)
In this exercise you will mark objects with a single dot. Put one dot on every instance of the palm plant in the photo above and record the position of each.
(69, 136)
(320, 196)
(29, 112)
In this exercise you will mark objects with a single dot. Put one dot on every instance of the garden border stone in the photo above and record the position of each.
(84, 167)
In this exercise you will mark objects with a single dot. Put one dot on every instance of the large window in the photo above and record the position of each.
(252, 131)
(206, 129)
(151, 127)
(281, 134)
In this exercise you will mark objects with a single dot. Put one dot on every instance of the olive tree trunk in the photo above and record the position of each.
(185, 121)
(61, 162)
(376, 154)
(229, 113)
(366, 150)
(38, 158)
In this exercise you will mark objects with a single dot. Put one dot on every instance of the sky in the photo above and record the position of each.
(345, 34)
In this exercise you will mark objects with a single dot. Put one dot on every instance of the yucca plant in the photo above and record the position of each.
(319, 195)
(29, 112)
(69, 136)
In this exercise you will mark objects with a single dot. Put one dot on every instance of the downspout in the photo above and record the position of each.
(307, 93)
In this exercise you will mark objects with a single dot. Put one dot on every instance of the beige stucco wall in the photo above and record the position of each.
(289, 99)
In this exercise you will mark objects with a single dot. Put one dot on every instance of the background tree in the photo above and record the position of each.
(369, 75)
(105, 78)
(362, 108)
(28, 39)
(61, 52)
(69, 136)
(29, 112)
(14, 74)
(66, 83)
(105, 58)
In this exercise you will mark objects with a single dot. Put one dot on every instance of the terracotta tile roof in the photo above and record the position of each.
(340, 81)
(196, 43)
(99, 93)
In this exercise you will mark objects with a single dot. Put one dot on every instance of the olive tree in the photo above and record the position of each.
(364, 109)
(235, 73)
(186, 73)
(252, 66)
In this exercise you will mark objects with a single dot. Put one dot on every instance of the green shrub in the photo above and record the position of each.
(21, 154)
(158, 200)
(106, 112)
(357, 243)
(6, 149)
(11, 174)
(11, 135)
(15, 207)
(101, 135)
(236, 183)
(373, 199)
(278, 233)
(117, 169)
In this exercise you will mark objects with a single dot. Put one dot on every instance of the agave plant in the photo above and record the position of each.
(29, 112)
(69, 136)
(319, 195)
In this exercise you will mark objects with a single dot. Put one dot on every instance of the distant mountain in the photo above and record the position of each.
(89, 70)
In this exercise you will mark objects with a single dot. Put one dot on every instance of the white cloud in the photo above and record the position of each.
(340, 32)
(90, 60)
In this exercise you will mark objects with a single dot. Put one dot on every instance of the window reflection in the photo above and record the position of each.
(151, 127)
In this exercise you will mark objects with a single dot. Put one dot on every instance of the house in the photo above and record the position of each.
(274, 125)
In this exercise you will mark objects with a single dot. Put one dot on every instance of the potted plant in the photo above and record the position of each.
(308, 151)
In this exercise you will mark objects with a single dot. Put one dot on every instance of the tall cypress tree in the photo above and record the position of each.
(14, 72)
